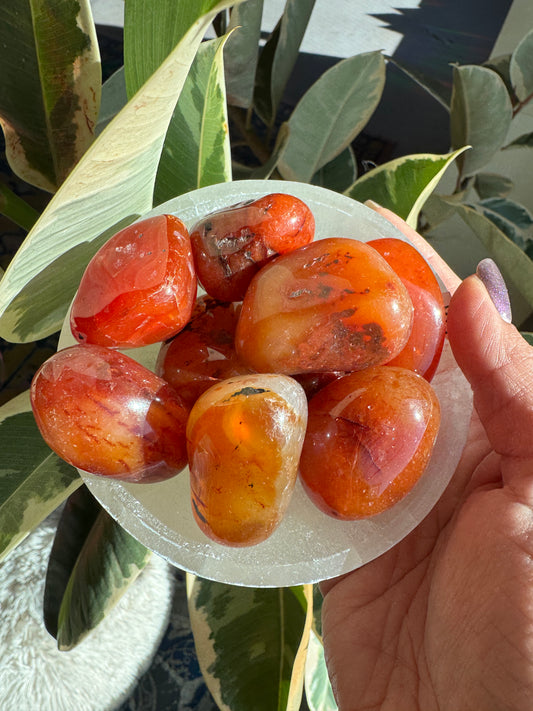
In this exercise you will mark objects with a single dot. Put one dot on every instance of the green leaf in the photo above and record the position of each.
(51, 83)
(241, 52)
(510, 217)
(480, 115)
(404, 184)
(114, 99)
(197, 152)
(111, 186)
(153, 28)
(331, 114)
(339, 173)
(439, 208)
(502, 66)
(33, 480)
(489, 185)
(521, 68)
(523, 141)
(251, 643)
(77, 518)
(278, 57)
(426, 81)
(17, 209)
(318, 691)
(528, 336)
(109, 560)
(513, 261)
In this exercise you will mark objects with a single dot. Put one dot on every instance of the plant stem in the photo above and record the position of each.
(258, 148)
(521, 104)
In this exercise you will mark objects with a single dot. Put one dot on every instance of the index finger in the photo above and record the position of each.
(449, 278)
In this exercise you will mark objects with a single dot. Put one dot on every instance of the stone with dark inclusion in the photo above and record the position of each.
(232, 244)
(332, 305)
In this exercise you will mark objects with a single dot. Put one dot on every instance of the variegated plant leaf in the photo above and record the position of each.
(153, 28)
(332, 113)
(34, 481)
(318, 691)
(111, 186)
(512, 260)
(51, 82)
(197, 151)
(512, 218)
(107, 561)
(251, 643)
(404, 184)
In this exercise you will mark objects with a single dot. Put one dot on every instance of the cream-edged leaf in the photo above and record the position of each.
(110, 187)
(51, 83)
(251, 643)
(197, 151)
(403, 185)
(34, 481)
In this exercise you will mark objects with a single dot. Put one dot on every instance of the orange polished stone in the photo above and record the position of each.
(139, 288)
(231, 245)
(332, 305)
(423, 349)
(244, 438)
(203, 352)
(369, 438)
(103, 412)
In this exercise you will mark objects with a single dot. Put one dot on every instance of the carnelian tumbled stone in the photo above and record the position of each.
(369, 438)
(423, 349)
(203, 352)
(103, 412)
(332, 305)
(139, 288)
(244, 438)
(231, 245)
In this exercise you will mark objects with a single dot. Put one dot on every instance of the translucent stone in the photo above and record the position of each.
(369, 439)
(244, 439)
(106, 414)
(231, 245)
(204, 351)
(139, 288)
(332, 305)
(422, 351)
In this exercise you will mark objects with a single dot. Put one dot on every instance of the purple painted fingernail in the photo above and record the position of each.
(493, 281)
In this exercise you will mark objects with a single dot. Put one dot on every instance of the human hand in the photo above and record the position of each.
(444, 620)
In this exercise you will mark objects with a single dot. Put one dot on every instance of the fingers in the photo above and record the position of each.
(498, 363)
(449, 278)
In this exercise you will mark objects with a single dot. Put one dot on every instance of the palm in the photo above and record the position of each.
(435, 618)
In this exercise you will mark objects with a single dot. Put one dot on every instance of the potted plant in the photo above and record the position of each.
(107, 154)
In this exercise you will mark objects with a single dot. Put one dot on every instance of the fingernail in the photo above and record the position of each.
(372, 205)
(494, 283)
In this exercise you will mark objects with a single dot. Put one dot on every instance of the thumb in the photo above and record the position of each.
(498, 363)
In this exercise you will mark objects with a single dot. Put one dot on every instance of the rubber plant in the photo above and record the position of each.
(107, 154)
